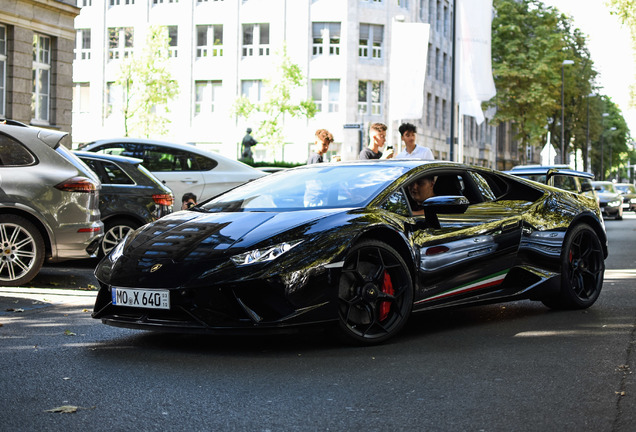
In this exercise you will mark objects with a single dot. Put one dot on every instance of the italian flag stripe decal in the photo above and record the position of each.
(486, 282)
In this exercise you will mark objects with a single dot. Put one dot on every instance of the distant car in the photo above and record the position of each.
(130, 197)
(628, 191)
(48, 203)
(561, 176)
(181, 167)
(611, 201)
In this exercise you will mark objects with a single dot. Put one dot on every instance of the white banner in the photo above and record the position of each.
(474, 67)
(407, 68)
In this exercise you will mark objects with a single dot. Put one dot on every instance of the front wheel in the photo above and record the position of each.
(582, 270)
(22, 252)
(375, 293)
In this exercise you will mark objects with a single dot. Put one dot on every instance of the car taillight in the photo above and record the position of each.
(163, 199)
(77, 184)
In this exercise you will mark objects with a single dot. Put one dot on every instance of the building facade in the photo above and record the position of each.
(37, 39)
(223, 49)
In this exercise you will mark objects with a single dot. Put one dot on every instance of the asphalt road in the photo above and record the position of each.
(507, 367)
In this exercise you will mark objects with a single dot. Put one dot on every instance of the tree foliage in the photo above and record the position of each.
(148, 86)
(527, 51)
(277, 101)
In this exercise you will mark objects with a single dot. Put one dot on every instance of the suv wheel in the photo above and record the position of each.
(114, 232)
(22, 253)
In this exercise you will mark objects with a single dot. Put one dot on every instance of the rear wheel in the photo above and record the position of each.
(375, 293)
(22, 252)
(582, 270)
(114, 232)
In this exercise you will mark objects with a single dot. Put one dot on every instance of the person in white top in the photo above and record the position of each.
(412, 150)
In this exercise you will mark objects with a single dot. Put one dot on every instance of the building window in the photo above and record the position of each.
(208, 1)
(82, 44)
(326, 95)
(437, 63)
(209, 40)
(255, 40)
(444, 68)
(121, 2)
(114, 98)
(206, 96)
(120, 42)
(370, 97)
(41, 78)
(429, 109)
(173, 41)
(436, 112)
(252, 90)
(84, 3)
(325, 38)
(403, 4)
(370, 45)
(164, 1)
(438, 20)
(3, 69)
(81, 97)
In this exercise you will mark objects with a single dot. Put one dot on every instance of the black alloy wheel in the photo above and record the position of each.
(375, 293)
(22, 253)
(582, 270)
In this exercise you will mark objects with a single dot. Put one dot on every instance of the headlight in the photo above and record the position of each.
(632, 200)
(265, 254)
(614, 203)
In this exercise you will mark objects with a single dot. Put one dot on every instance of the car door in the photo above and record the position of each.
(177, 169)
(469, 254)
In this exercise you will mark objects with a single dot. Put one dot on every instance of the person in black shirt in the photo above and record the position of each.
(377, 138)
(321, 146)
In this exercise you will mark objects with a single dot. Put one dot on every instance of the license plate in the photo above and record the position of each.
(141, 298)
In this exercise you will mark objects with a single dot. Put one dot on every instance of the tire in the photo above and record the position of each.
(22, 253)
(375, 294)
(582, 270)
(114, 231)
(619, 214)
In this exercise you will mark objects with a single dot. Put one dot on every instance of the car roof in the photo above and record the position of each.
(179, 146)
(108, 157)
(544, 169)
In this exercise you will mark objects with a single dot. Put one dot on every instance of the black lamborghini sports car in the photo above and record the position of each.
(347, 245)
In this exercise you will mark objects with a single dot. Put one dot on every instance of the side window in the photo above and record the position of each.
(565, 182)
(115, 175)
(489, 190)
(205, 164)
(14, 154)
(397, 203)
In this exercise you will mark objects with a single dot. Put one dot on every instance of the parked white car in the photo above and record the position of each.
(181, 167)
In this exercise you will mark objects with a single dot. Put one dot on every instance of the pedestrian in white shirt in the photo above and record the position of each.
(412, 150)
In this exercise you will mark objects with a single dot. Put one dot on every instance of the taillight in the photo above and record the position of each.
(163, 199)
(77, 184)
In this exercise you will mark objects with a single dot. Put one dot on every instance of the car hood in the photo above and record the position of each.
(608, 196)
(190, 234)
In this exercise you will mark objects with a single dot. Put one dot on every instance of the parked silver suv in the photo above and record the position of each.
(48, 203)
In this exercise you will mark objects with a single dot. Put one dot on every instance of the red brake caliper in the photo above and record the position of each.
(387, 288)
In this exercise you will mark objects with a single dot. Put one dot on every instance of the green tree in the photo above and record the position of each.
(148, 86)
(578, 79)
(527, 51)
(277, 102)
(611, 146)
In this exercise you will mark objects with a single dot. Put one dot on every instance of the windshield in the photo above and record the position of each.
(605, 187)
(626, 189)
(313, 187)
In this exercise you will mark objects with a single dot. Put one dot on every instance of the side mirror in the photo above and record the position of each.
(586, 187)
(449, 204)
